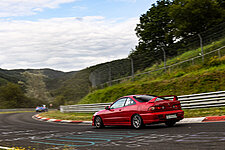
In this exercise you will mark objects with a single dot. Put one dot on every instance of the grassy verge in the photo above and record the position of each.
(204, 112)
(15, 112)
(188, 113)
(67, 116)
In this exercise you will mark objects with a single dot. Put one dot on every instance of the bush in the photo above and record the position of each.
(213, 61)
(179, 74)
(222, 60)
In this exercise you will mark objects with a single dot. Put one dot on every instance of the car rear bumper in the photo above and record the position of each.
(157, 117)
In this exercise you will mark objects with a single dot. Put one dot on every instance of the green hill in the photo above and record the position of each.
(36, 84)
(187, 78)
(198, 81)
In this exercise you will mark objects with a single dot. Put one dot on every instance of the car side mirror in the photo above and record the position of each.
(107, 108)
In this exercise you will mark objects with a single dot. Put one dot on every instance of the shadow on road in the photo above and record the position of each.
(152, 126)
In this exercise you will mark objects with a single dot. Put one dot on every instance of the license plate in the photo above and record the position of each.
(171, 116)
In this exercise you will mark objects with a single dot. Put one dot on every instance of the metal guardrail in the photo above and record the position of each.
(202, 100)
(84, 107)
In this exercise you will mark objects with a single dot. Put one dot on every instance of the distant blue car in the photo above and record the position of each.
(41, 108)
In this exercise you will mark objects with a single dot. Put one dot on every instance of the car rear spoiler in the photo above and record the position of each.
(175, 98)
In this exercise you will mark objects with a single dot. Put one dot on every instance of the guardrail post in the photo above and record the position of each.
(132, 68)
(219, 53)
(202, 53)
(164, 57)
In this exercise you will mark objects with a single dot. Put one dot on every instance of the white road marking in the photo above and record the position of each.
(192, 120)
(1, 147)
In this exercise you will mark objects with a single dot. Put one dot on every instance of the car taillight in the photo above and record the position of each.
(151, 108)
(156, 108)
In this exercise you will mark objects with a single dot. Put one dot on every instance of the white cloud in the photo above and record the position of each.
(10, 8)
(65, 44)
(130, 1)
(80, 7)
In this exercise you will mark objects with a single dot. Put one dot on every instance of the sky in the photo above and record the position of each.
(67, 35)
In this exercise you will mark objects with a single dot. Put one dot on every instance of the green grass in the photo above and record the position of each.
(67, 116)
(198, 81)
(189, 54)
(188, 113)
(15, 112)
(204, 112)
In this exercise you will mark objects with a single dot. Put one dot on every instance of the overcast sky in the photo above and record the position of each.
(67, 35)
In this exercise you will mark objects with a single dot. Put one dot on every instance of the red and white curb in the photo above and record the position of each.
(214, 119)
(185, 120)
(203, 119)
(192, 120)
(37, 117)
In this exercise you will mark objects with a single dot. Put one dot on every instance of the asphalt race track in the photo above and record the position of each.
(20, 130)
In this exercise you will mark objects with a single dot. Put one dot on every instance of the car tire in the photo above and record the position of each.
(98, 122)
(137, 121)
(170, 123)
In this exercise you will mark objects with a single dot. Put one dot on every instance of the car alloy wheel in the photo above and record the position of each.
(137, 121)
(98, 122)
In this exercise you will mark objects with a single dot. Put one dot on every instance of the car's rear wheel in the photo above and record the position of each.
(98, 122)
(170, 123)
(137, 121)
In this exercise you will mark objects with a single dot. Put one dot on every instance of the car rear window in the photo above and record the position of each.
(146, 98)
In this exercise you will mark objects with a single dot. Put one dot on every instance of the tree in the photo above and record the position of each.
(153, 31)
(153, 27)
(221, 3)
(12, 96)
(191, 17)
(59, 100)
(169, 23)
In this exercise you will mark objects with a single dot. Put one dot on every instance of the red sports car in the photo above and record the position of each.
(139, 110)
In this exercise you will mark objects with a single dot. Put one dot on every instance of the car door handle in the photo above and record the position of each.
(120, 109)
